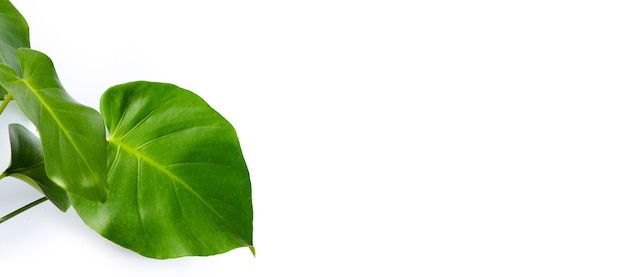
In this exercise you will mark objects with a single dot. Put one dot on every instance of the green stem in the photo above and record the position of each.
(22, 209)
(6, 101)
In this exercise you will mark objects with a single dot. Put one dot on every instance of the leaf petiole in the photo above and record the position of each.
(6, 101)
(23, 209)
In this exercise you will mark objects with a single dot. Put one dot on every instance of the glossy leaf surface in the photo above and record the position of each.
(13, 35)
(27, 164)
(72, 135)
(179, 185)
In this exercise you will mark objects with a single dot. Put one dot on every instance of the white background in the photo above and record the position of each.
(388, 138)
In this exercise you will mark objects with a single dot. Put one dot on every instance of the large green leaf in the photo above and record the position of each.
(179, 185)
(13, 35)
(72, 135)
(27, 164)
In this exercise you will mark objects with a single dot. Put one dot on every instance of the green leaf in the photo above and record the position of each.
(179, 185)
(13, 35)
(72, 135)
(13, 26)
(27, 164)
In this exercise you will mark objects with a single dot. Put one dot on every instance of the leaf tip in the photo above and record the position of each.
(252, 250)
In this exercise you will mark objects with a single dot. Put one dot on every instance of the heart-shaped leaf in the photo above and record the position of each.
(27, 164)
(179, 185)
(72, 135)
(13, 35)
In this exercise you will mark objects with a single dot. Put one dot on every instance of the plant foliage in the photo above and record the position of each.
(169, 181)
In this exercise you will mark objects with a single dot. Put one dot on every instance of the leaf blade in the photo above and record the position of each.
(14, 30)
(72, 135)
(27, 164)
(167, 197)
(14, 33)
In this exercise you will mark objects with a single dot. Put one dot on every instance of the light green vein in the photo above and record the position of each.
(59, 122)
(163, 168)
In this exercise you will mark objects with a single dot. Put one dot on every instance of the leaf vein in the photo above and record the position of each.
(59, 123)
(172, 176)
(166, 136)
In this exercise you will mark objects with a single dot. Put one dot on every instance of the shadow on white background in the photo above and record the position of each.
(393, 138)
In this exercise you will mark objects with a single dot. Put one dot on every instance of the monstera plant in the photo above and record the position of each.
(157, 170)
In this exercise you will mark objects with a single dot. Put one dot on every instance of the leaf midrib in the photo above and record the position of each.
(25, 168)
(59, 122)
(163, 168)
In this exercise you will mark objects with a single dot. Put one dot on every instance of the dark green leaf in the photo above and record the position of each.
(179, 185)
(27, 164)
(13, 35)
(72, 135)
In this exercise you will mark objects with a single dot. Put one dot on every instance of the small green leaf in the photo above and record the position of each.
(179, 185)
(13, 35)
(72, 135)
(27, 164)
